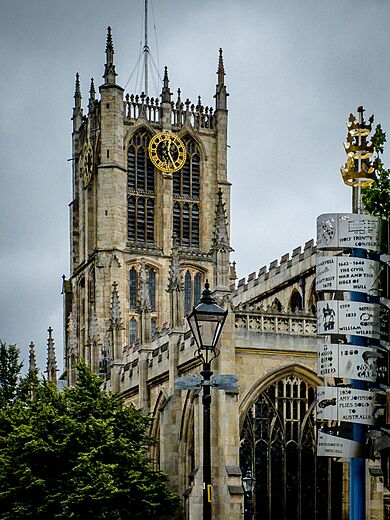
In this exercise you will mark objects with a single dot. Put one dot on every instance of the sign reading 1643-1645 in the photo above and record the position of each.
(340, 273)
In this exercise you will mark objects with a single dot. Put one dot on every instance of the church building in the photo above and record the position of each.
(143, 241)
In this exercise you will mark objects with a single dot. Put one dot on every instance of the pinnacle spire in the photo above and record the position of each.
(221, 68)
(77, 92)
(32, 362)
(166, 93)
(51, 366)
(77, 109)
(116, 317)
(92, 93)
(109, 67)
(221, 236)
(220, 93)
(175, 282)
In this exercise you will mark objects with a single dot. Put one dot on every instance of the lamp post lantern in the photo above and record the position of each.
(206, 322)
(248, 484)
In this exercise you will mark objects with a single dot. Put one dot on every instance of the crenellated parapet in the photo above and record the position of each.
(275, 283)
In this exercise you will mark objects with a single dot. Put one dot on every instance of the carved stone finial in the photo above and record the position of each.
(93, 326)
(51, 366)
(72, 334)
(109, 68)
(143, 289)
(115, 311)
(233, 272)
(221, 94)
(221, 69)
(175, 282)
(77, 92)
(92, 95)
(32, 362)
(77, 116)
(166, 93)
(221, 235)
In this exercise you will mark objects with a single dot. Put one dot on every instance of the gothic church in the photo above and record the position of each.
(142, 244)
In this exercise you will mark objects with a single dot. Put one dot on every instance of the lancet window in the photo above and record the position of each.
(278, 445)
(134, 303)
(186, 193)
(140, 190)
(192, 289)
(133, 331)
(295, 301)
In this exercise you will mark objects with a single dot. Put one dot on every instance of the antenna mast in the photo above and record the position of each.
(146, 49)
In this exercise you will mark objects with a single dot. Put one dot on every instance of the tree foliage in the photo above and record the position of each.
(376, 197)
(78, 454)
(9, 373)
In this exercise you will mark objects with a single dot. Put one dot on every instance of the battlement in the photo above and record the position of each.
(278, 271)
(200, 117)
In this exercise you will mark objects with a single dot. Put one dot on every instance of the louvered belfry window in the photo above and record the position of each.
(186, 192)
(140, 190)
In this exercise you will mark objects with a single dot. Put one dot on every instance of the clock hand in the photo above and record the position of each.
(171, 158)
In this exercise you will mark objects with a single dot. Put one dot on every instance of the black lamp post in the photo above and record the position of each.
(248, 483)
(206, 322)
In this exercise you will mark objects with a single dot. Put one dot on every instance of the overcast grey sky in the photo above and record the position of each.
(295, 69)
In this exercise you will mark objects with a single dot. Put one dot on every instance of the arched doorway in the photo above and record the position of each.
(278, 444)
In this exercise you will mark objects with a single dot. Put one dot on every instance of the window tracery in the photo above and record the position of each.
(192, 289)
(186, 192)
(151, 281)
(278, 444)
(140, 189)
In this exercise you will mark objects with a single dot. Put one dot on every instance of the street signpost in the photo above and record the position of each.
(226, 382)
(347, 361)
(333, 446)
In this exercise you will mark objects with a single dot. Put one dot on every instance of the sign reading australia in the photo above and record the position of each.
(349, 318)
(335, 273)
(352, 231)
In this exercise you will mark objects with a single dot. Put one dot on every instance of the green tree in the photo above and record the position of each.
(9, 373)
(376, 197)
(78, 454)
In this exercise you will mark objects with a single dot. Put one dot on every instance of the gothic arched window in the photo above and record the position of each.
(152, 289)
(133, 289)
(140, 190)
(295, 301)
(187, 291)
(192, 289)
(133, 331)
(278, 444)
(186, 192)
(196, 288)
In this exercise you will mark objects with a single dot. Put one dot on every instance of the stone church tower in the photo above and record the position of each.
(142, 244)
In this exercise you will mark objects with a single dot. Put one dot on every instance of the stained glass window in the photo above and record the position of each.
(278, 444)
(187, 291)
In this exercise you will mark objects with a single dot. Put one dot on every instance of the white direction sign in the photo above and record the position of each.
(349, 361)
(349, 230)
(345, 404)
(333, 446)
(348, 317)
(335, 273)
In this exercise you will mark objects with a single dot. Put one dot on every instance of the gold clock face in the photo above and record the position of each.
(167, 152)
(87, 166)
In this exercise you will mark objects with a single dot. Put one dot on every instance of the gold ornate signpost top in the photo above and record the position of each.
(167, 152)
(358, 172)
